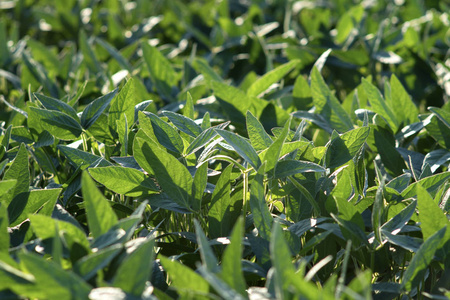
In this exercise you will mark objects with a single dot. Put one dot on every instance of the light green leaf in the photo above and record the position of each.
(80, 158)
(259, 138)
(166, 134)
(273, 152)
(18, 171)
(221, 215)
(123, 106)
(242, 147)
(59, 124)
(183, 123)
(125, 181)
(231, 260)
(4, 234)
(261, 214)
(208, 256)
(100, 215)
(54, 104)
(135, 269)
(264, 82)
(173, 177)
(28, 203)
(88, 266)
(327, 105)
(199, 186)
(288, 167)
(402, 106)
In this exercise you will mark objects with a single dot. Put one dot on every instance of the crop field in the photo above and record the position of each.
(224, 149)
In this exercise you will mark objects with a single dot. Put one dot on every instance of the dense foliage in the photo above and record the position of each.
(224, 149)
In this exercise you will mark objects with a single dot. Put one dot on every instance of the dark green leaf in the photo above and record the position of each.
(242, 147)
(57, 123)
(261, 215)
(183, 123)
(93, 111)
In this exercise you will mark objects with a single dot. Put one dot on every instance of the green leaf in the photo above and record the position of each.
(423, 257)
(122, 61)
(221, 214)
(385, 143)
(89, 57)
(344, 147)
(242, 147)
(199, 186)
(261, 215)
(54, 104)
(288, 167)
(273, 152)
(135, 269)
(399, 221)
(161, 71)
(265, 81)
(183, 279)
(202, 67)
(231, 261)
(94, 110)
(45, 227)
(183, 123)
(173, 177)
(431, 184)
(123, 106)
(80, 158)
(4, 234)
(327, 105)
(166, 134)
(443, 115)
(204, 138)
(18, 171)
(100, 215)
(88, 266)
(57, 123)
(125, 181)
(208, 257)
(379, 105)
(259, 138)
(28, 203)
(52, 280)
(188, 110)
(402, 106)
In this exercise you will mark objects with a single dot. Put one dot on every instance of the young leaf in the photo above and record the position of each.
(261, 215)
(199, 186)
(123, 106)
(59, 124)
(94, 110)
(100, 215)
(402, 106)
(125, 181)
(188, 110)
(242, 147)
(166, 134)
(58, 105)
(263, 83)
(172, 176)
(135, 269)
(231, 260)
(273, 152)
(88, 266)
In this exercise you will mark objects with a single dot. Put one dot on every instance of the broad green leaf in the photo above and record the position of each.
(89, 57)
(378, 212)
(160, 69)
(242, 147)
(188, 109)
(18, 171)
(166, 134)
(54, 104)
(431, 184)
(261, 214)
(423, 257)
(94, 110)
(4, 224)
(430, 215)
(183, 123)
(443, 115)
(80, 158)
(259, 138)
(204, 138)
(44, 139)
(327, 105)
(438, 130)
(5, 138)
(28, 203)
(45, 227)
(135, 269)
(183, 279)
(208, 256)
(123, 106)
(221, 215)
(202, 67)
(100, 215)
(399, 221)
(125, 181)
(402, 106)
(344, 147)
(21, 283)
(231, 260)
(122, 61)
(122, 131)
(306, 194)
(206, 121)
(5, 189)
(379, 105)
(199, 186)
(264, 82)
(348, 22)
(285, 168)
(172, 176)
(59, 124)
(385, 143)
(52, 280)
(88, 266)
(436, 158)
